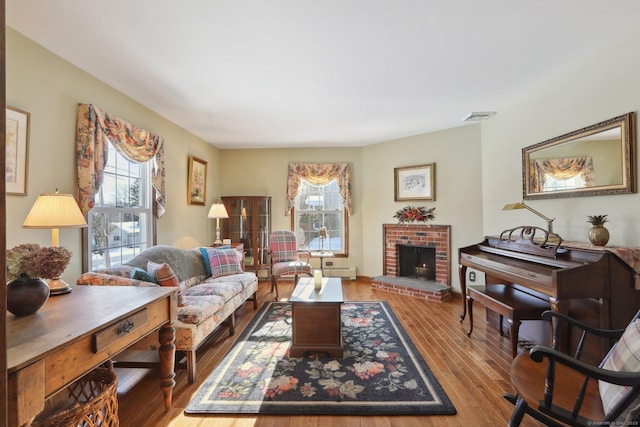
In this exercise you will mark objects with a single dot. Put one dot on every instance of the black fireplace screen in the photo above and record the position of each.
(412, 256)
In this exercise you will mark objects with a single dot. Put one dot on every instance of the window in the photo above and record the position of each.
(317, 206)
(120, 223)
(554, 184)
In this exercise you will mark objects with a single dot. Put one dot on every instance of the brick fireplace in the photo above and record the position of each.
(437, 237)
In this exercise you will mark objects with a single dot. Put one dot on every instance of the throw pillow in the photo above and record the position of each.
(165, 277)
(139, 274)
(625, 357)
(205, 261)
(221, 262)
(205, 257)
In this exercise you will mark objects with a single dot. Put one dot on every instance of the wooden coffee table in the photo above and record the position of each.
(316, 317)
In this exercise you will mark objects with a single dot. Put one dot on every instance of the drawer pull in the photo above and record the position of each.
(125, 327)
(120, 330)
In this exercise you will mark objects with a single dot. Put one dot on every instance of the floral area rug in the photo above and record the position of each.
(381, 372)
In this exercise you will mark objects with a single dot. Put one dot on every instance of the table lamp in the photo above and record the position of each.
(322, 233)
(218, 211)
(521, 205)
(55, 211)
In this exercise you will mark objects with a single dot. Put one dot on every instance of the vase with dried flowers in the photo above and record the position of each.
(27, 265)
(411, 214)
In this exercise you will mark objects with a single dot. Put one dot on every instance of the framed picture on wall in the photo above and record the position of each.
(415, 182)
(197, 181)
(17, 151)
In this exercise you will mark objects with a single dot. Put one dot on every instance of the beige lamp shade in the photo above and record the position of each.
(218, 211)
(55, 211)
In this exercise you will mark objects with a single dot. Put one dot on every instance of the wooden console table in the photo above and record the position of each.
(73, 334)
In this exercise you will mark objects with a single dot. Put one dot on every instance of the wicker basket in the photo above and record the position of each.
(95, 402)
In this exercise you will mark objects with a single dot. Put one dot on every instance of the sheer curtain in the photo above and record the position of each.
(318, 174)
(560, 169)
(95, 129)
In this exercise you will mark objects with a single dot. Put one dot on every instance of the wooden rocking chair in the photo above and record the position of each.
(568, 391)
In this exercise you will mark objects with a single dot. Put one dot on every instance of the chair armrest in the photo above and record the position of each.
(606, 333)
(101, 279)
(305, 254)
(538, 353)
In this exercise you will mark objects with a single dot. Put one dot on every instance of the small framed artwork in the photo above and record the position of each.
(415, 182)
(17, 151)
(197, 186)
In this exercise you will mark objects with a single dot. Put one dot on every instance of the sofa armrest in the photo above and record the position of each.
(101, 279)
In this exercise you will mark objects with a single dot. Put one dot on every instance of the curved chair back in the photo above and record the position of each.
(283, 246)
(558, 389)
(285, 259)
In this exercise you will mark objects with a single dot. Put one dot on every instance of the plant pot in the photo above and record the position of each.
(599, 235)
(26, 295)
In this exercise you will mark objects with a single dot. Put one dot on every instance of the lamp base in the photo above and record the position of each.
(218, 241)
(58, 287)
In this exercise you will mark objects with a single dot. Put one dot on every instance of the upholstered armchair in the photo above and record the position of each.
(286, 259)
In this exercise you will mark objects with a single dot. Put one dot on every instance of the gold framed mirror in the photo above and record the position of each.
(598, 160)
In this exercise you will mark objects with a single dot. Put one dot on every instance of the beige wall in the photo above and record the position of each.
(598, 88)
(264, 173)
(470, 192)
(50, 89)
(458, 189)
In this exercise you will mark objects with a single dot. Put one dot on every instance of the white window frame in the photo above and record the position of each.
(554, 184)
(307, 237)
(120, 249)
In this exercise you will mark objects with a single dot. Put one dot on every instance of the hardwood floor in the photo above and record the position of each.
(473, 371)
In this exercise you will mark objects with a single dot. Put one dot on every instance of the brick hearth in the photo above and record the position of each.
(438, 236)
(431, 292)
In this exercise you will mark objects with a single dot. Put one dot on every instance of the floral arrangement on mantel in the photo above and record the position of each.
(36, 261)
(411, 214)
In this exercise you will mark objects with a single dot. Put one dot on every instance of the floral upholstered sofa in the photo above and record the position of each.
(212, 287)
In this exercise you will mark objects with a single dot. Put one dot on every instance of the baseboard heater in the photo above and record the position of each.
(348, 273)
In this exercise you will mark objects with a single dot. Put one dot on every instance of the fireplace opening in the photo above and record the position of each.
(434, 237)
(417, 262)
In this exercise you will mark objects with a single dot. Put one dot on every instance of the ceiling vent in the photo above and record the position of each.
(478, 116)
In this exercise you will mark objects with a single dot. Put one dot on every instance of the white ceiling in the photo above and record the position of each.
(303, 73)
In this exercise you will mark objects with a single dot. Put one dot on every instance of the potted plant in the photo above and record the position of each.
(27, 265)
(598, 234)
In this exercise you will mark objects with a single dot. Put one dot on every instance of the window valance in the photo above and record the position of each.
(319, 174)
(95, 128)
(561, 169)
